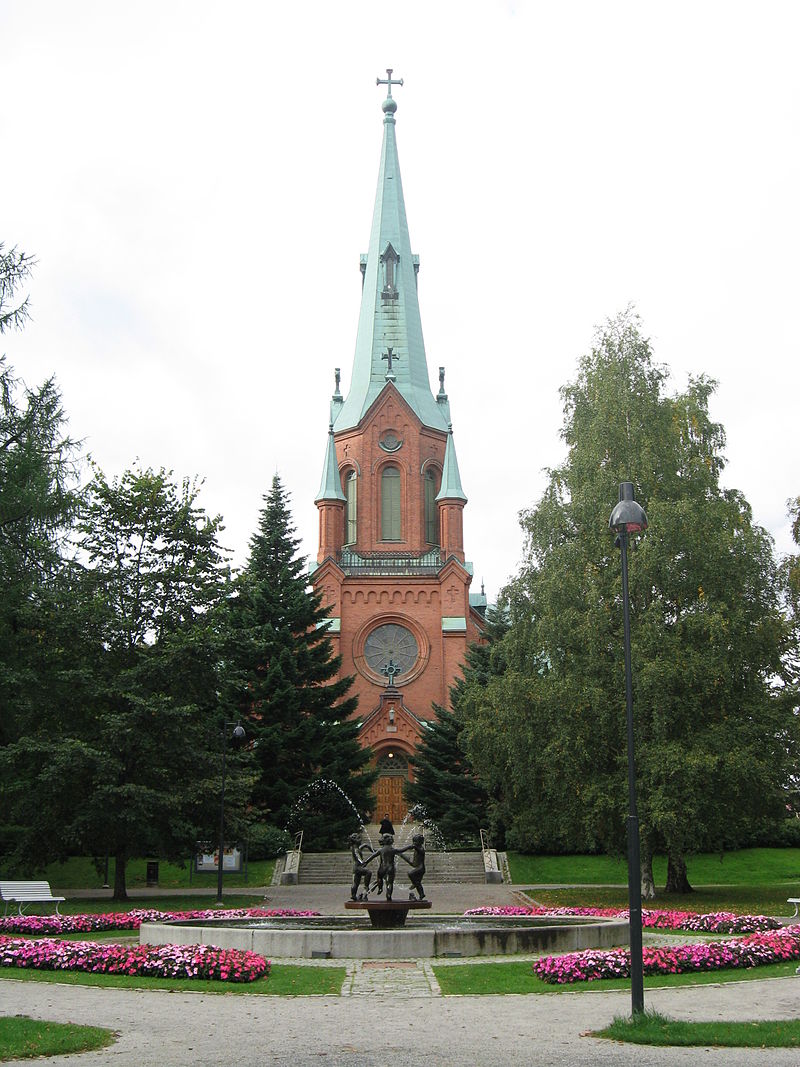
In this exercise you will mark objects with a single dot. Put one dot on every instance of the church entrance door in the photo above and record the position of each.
(392, 773)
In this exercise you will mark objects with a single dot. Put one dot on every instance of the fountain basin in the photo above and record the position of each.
(387, 914)
(425, 937)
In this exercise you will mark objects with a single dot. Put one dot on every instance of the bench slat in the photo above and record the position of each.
(21, 893)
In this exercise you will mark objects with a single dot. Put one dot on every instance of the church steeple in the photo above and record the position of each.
(389, 343)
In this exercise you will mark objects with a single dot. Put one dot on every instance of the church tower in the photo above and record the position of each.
(391, 563)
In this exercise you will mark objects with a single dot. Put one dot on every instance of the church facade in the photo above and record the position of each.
(391, 564)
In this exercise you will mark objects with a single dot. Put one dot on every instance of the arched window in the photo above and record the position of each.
(431, 507)
(391, 526)
(351, 508)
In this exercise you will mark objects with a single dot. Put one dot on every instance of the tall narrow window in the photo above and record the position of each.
(351, 508)
(391, 526)
(431, 508)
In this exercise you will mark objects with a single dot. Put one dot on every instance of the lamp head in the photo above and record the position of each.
(627, 516)
(238, 733)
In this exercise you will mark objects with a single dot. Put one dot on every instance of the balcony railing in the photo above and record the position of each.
(391, 563)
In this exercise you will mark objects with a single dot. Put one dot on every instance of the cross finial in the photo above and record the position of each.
(389, 356)
(388, 81)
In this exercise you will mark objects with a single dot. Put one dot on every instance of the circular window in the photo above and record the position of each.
(391, 650)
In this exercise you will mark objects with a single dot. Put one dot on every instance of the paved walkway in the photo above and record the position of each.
(383, 1027)
(399, 979)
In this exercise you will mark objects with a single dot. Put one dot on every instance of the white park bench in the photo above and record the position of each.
(24, 893)
(796, 902)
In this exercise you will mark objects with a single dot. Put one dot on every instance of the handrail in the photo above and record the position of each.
(298, 842)
(484, 841)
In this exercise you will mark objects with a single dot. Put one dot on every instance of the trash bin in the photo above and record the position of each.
(152, 872)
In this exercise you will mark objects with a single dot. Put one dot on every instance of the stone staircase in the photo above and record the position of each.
(336, 868)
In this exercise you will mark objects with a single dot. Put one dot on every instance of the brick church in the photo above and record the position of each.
(391, 563)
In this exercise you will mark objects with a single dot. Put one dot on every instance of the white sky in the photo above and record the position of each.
(197, 182)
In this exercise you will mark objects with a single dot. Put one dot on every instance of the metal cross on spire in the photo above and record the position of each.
(389, 356)
(388, 81)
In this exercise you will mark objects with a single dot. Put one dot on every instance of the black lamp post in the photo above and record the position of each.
(238, 735)
(628, 517)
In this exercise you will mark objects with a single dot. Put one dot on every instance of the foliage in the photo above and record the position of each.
(203, 962)
(93, 922)
(37, 501)
(445, 784)
(755, 950)
(714, 741)
(445, 787)
(282, 676)
(720, 922)
(266, 842)
(123, 763)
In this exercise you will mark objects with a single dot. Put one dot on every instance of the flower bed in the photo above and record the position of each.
(718, 922)
(146, 961)
(130, 920)
(755, 950)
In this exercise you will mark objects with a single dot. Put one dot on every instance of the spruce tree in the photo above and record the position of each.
(445, 783)
(283, 679)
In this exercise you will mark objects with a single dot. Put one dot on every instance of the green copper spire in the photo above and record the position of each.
(389, 344)
(451, 479)
(330, 488)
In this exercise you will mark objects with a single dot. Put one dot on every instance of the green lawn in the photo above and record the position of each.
(24, 1038)
(750, 866)
(79, 872)
(651, 1028)
(741, 899)
(466, 979)
(102, 905)
(284, 980)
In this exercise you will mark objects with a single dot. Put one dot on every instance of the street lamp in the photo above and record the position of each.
(628, 517)
(237, 735)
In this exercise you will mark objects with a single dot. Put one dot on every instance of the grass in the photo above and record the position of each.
(79, 872)
(284, 980)
(487, 979)
(748, 866)
(741, 899)
(23, 1038)
(103, 905)
(651, 1028)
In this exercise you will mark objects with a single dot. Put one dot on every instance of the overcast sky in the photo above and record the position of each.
(197, 181)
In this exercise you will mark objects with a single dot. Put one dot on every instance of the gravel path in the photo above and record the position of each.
(160, 1029)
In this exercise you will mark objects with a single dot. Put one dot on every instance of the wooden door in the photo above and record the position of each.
(389, 794)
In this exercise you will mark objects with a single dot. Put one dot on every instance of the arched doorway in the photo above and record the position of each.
(392, 767)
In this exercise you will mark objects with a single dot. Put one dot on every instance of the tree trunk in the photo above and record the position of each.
(677, 881)
(648, 882)
(120, 889)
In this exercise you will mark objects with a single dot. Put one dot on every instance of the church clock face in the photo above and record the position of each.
(391, 645)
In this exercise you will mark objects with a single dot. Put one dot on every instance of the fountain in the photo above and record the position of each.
(383, 933)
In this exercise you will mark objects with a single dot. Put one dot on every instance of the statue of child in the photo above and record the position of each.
(417, 863)
(359, 869)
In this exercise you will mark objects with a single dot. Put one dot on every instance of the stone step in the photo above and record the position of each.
(336, 868)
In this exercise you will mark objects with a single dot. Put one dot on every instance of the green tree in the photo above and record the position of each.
(282, 677)
(126, 765)
(37, 501)
(445, 783)
(708, 638)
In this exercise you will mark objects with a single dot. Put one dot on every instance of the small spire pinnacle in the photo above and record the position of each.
(441, 395)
